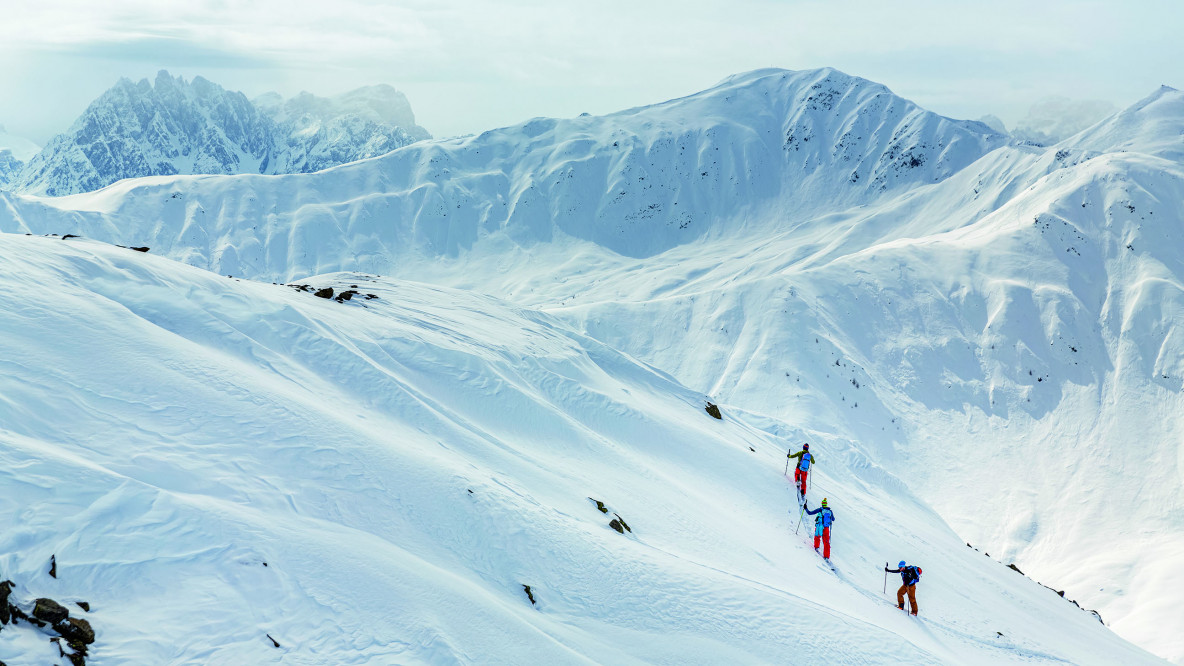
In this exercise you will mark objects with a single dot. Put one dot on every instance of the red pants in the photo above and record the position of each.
(799, 477)
(825, 536)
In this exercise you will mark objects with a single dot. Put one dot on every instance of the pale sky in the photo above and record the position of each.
(468, 66)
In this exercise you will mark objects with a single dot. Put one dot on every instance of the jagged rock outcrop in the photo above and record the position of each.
(172, 126)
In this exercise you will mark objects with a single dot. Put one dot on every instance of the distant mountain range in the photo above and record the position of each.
(995, 324)
(172, 126)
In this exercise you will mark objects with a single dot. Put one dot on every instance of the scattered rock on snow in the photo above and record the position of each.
(76, 630)
(327, 292)
(714, 411)
(48, 610)
(529, 594)
(5, 591)
(623, 523)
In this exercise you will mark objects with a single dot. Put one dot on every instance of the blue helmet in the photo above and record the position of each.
(900, 565)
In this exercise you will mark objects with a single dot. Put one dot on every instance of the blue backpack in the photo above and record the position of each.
(912, 575)
(825, 517)
(804, 465)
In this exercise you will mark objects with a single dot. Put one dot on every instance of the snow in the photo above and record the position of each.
(979, 336)
(169, 431)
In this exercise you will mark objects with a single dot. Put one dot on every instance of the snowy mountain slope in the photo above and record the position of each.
(1021, 372)
(904, 317)
(1150, 126)
(375, 480)
(638, 182)
(173, 127)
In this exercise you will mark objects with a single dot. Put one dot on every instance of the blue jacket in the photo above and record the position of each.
(826, 518)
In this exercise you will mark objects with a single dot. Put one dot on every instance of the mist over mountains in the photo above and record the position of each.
(171, 126)
(982, 337)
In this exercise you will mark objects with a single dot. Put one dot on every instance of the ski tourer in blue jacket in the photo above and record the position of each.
(822, 526)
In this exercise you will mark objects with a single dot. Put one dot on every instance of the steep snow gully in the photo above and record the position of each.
(978, 337)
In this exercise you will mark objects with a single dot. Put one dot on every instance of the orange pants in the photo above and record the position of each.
(799, 477)
(912, 591)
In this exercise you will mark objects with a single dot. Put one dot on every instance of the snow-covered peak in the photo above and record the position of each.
(172, 126)
(762, 149)
(1154, 125)
(145, 129)
(378, 104)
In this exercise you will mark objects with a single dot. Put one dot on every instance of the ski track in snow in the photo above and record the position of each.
(167, 430)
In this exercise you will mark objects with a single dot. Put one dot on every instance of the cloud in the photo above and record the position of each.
(166, 52)
(1055, 118)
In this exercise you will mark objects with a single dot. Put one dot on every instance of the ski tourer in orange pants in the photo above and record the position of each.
(909, 576)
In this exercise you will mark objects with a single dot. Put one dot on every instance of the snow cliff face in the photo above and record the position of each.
(992, 324)
(177, 127)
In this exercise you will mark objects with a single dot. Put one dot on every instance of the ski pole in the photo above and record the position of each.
(787, 460)
(801, 516)
(885, 578)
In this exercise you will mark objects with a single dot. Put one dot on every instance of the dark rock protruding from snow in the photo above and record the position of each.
(76, 630)
(714, 411)
(48, 610)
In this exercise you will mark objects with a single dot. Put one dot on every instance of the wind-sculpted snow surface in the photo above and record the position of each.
(238, 472)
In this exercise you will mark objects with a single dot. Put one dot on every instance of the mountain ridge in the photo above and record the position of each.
(996, 297)
(170, 127)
